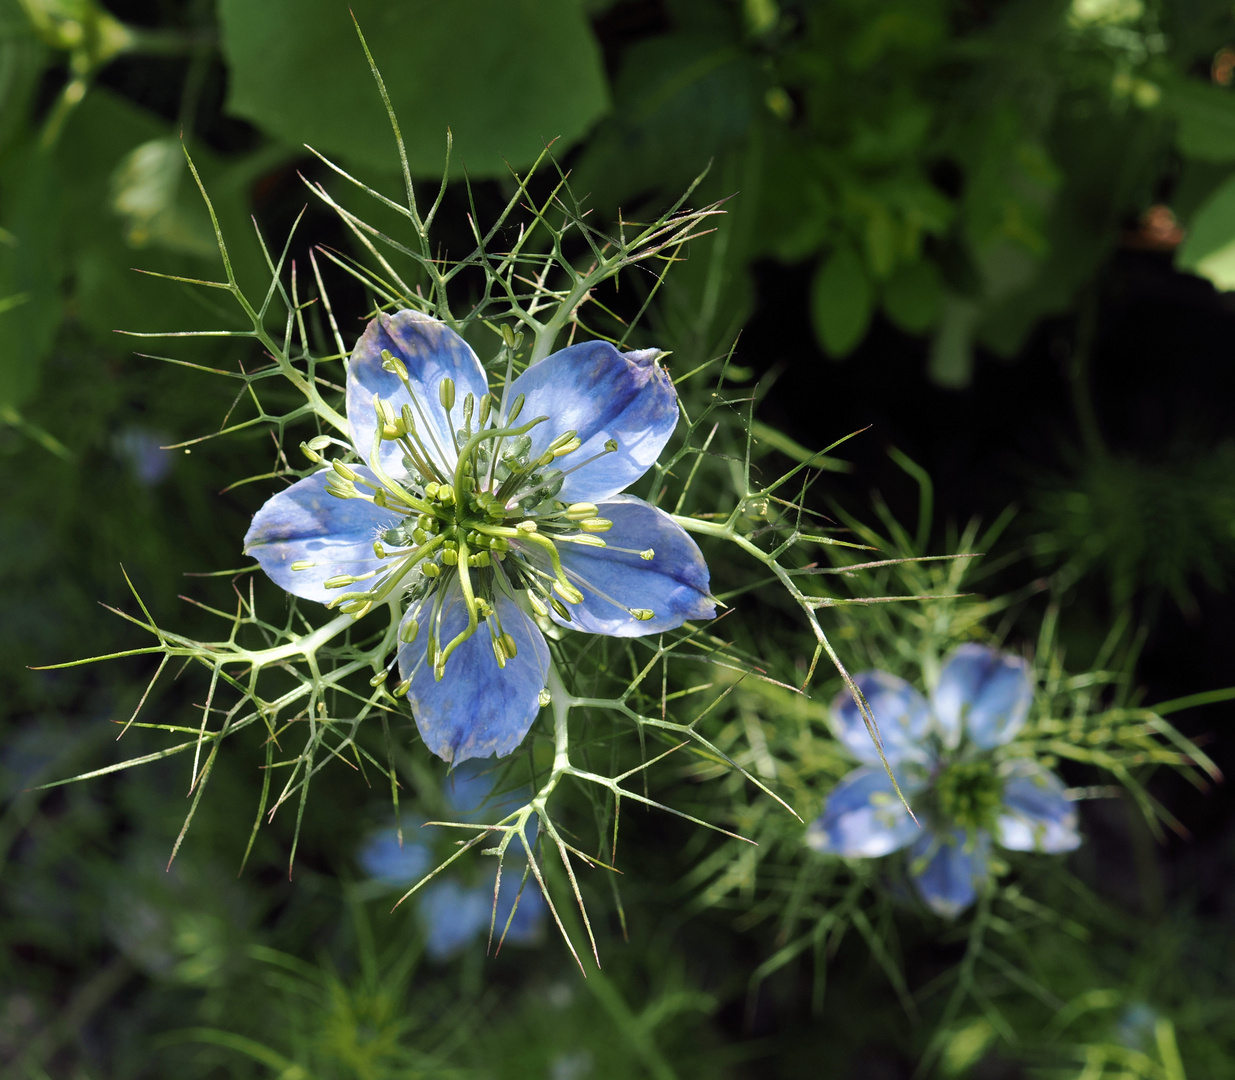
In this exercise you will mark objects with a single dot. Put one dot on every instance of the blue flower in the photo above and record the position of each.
(451, 912)
(482, 511)
(944, 754)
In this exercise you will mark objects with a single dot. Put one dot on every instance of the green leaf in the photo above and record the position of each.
(1205, 118)
(1209, 248)
(912, 297)
(506, 77)
(841, 302)
(31, 270)
(951, 359)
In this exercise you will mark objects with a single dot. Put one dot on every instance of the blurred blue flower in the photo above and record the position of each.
(468, 500)
(145, 454)
(452, 913)
(945, 756)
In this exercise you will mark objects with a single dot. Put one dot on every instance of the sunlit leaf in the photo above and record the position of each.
(841, 301)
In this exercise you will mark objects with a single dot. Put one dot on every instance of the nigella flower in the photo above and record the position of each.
(480, 510)
(946, 755)
(452, 912)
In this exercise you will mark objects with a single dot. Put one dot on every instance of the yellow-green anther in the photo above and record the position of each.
(379, 497)
(528, 527)
(486, 407)
(384, 410)
(432, 570)
(481, 558)
(596, 524)
(586, 539)
(419, 535)
(568, 592)
(403, 688)
(446, 495)
(562, 440)
(516, 407)
(642, 614)
(568, 447)
(393, 364)
(303, 564)
(409, 421)
(469, 407)
(450, 557)
(378, 550)
(378, 679)
(339, 581)
(408, 631)
(648, 554)
(483, 608)
(579, 511)
(319, 442)
(473, 615)
(343, 470)
(499, 653)
(446, 393)
(340, 489)
(509, 646)
(611, 445)
(310, 453)
(560, 608)
(431, 651)
(538, 605)
(391, 432)
(499, 545)
(431, 490)
(508, 337)
(545, 459)
(357, 609)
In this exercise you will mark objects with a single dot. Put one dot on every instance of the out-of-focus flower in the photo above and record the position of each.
(143, 452)
(451, 912)
(483, 510)
(948, 758)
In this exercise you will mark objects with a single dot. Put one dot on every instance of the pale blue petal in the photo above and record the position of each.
(601, 394)
(477, 708)
(384, 859)
(303, 523)
(469, 790)
(1036, 816)
(431, 352)
(983, 693)
(901, 713)
(953, 868)
(452, 915)
(673, 584)
(863, 818)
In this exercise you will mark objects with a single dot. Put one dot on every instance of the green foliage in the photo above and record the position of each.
(507, 79)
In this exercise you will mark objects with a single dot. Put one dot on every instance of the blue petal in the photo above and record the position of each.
(901, 713)
(304, 523)
(384, 859)
(477, 708)
(863, 818)
(470, 794)
(954, 868)
(431, 351)
(1037, 816)
(983, 692)
(601, 394)
(452, 916)
(673, 584)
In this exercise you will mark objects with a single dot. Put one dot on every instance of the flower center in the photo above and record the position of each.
(480, 510)
(968, 794)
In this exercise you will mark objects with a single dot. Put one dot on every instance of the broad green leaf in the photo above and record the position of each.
(912, 296)
(841, 301)
(1205, 120)
(1209, 248)
(506, 78)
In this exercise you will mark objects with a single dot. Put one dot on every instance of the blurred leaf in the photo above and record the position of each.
(681, 101)
(21, 65)
(31, 269)
(951, 359)
(1209, 247)
(505, 78)
(913, 295)
(148, 188)
(841, 301)
(1205, 118)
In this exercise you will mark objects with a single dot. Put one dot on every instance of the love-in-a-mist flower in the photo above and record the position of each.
(481, 511)
(952, 760)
